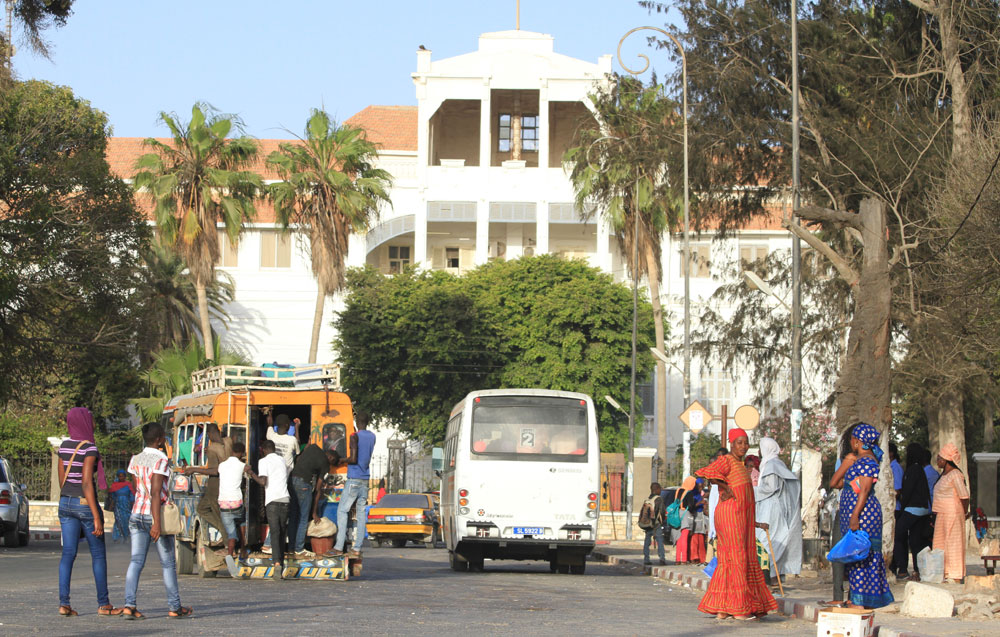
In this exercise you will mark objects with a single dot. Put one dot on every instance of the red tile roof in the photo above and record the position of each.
(390, 127)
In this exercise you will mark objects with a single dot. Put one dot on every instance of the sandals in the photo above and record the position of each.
(109, 611)
(183, 611)
(131, 612)
(66, 611)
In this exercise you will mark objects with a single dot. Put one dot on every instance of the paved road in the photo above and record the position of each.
(403, 590)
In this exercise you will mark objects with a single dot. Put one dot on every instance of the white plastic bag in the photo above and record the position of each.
(931, 565)
(324, 527)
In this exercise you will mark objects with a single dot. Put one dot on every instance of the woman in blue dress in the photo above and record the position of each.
(860, 509)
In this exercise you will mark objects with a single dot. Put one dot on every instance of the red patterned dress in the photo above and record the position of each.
(737, 586)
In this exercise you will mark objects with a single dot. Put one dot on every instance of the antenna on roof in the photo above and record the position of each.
(517, 24)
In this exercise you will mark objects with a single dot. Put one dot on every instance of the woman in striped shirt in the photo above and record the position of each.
(79, 513)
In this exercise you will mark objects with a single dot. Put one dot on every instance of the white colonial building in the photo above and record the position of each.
(478, 175)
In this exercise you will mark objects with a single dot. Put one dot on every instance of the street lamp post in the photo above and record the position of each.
(796, 419)
(628, 464)
(687, 221)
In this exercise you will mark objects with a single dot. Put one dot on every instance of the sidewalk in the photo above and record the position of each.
(803, 593)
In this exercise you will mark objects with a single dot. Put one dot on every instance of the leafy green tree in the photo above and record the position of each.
(627, 170)
(170, 374)
(168, 300)
(70, 236)
(703, 448)
(197, 182)
(330, 187)
(412, 345)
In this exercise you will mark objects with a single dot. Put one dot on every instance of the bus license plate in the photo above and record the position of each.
(395, 518)
(528, 530)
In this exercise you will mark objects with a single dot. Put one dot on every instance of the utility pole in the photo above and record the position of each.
(796, 417)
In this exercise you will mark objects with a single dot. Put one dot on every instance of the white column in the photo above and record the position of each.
(357, 250)
(515, 240)
(542, 227)
(543, 125)
(485, 142)
(420, 258)
(482, 232)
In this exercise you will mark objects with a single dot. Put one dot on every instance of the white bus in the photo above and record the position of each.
(520, 479)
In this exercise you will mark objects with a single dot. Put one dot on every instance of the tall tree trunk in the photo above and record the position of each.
(317, 323)
(931, 410)
(989, 413)
(961, 116)
(951, 424)
(206, 326)
(653, 274)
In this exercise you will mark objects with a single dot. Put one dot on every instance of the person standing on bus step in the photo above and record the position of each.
(151, 469)
(79, 513)
(285, 444)
(655, 514)
(217, 452)
(231, 498)
(356, 487)
(307, 476)
(274, 478)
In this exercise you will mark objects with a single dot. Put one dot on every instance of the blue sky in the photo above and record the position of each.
(270, 62)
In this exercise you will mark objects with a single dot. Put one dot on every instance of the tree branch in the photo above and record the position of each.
(843, 267)
(826, 215)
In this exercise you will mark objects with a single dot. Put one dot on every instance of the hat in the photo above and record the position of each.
(735, 433)
(950, 452)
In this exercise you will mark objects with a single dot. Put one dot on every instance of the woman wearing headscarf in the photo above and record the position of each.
(951, 504)
(79, 512)
(914, 523)
(737, 587)
(860, 509)
(777, 495)
(124, 495)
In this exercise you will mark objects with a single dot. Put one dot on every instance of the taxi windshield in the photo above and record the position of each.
(530, 428)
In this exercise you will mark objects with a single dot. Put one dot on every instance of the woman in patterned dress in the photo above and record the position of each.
(860, 509)
(737, 587)
(951, 504)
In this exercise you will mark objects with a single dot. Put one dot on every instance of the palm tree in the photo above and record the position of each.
(330, 188)
(197, 182)
(168, 299)
(622, 168)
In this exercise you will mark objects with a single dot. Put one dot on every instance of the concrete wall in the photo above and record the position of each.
(45, 515)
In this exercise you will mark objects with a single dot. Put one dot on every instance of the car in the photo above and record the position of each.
(13, 508)
(401, 517)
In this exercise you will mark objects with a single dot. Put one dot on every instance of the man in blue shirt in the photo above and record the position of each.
(355, 487)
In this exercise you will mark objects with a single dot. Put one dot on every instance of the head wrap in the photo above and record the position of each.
(868, 436)
(80, 426)
(769, 450)
(752, 460)
(950, 452)
(687, 485)
(735, 433)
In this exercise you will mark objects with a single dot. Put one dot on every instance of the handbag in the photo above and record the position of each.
(853, 547)
(170, 519)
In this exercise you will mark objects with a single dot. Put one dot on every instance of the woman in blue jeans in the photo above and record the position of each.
(79, 513)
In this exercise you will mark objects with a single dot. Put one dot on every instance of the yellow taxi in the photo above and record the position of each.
(402, 517)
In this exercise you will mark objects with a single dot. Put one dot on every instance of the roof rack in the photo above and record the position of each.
(267, 377)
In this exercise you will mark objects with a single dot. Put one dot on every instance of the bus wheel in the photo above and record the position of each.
(201, 550)
(458, 564)
(563, 569)
(578, 569)
(184, 555)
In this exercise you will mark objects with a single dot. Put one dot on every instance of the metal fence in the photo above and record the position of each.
(34, 469)
(408, 473)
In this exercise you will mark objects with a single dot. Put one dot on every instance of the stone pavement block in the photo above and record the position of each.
(924, 600)
(982, 584)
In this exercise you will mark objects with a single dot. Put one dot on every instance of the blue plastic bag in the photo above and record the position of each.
(709, 569)
(853, 547)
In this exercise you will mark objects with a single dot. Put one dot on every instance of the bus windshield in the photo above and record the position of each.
(532, 428)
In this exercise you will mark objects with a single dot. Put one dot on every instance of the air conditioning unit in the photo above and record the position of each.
(498, 249)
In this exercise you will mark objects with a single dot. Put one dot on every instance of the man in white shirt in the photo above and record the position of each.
(274, 478)
(284, 443)
(231, 495)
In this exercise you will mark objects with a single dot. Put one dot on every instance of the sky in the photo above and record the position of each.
(271, 62)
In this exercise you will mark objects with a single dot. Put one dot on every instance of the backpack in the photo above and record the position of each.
(646, 521)
(674, 514)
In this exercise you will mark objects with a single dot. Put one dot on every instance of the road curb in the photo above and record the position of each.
(42, 533)
(790, 606)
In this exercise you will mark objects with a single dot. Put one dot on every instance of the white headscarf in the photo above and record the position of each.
(769, 451)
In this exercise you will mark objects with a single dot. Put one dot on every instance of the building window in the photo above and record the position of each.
(529, 133)
(275, 249)
(228, 252)
(750, 254)
(399, 258)
(716, 389)
(700, 266)
(451, 258)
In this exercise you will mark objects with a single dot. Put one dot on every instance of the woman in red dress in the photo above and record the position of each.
(737, 587)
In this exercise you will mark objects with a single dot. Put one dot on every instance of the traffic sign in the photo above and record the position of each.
(695, 417)
(747, 417)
